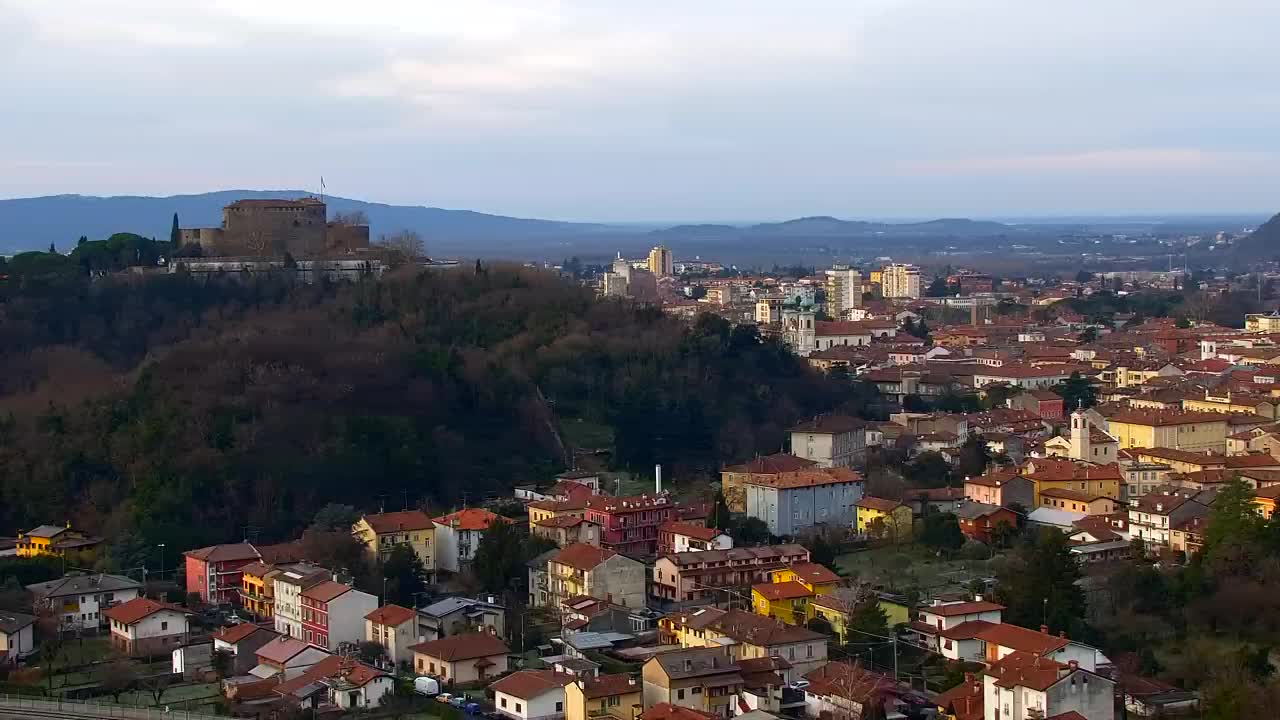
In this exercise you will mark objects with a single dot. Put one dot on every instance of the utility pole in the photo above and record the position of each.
(895, 656)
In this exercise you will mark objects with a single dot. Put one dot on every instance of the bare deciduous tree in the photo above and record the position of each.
(406, 242)
(355, 217)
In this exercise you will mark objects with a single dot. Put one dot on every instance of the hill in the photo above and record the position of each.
(34, 223)
(176, 411)
(1263, 244)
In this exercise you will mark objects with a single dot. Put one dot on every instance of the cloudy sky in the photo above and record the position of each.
(654, 110)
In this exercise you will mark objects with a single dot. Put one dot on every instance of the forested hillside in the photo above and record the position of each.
(182, 412)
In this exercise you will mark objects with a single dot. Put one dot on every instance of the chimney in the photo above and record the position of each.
(1044, 629)
(657, 479)
(1073, 664)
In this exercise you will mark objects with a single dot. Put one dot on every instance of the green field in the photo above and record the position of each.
(910, 566)
(586, 434)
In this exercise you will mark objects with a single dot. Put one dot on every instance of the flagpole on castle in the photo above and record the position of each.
(321, 188)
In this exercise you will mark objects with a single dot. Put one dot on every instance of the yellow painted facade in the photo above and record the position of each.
(257, 594)
(622, 706)
(47, 539)
(1106, 488)
(896, 525)
(1198, 436)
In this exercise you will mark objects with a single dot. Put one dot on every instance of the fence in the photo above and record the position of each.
(97, 710)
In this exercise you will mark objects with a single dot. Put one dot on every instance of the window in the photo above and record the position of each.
(503, 702)
(680, 694)
(164, 626)
(519, 708)
(614, 701)
(697, 691)
(559, 707)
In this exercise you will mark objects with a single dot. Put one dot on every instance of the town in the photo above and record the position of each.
(955, 550)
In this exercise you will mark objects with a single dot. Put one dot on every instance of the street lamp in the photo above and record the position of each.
(161, 546)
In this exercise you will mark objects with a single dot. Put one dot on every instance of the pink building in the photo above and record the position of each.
(214, 572)
(629, 525)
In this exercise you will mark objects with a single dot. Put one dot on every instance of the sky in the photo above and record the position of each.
(654, 110)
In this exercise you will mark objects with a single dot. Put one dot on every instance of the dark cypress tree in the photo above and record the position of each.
(175, 235)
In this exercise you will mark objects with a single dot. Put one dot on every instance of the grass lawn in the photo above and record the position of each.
(82, 651)
(897, 567)
(586, 434)
(173, 695)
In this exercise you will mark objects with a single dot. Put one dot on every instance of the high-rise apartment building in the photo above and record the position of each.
(901, 281)
(661, 262)
(844, 291)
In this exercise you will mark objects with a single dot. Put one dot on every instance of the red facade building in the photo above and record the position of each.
(214, 574)
(629, 525)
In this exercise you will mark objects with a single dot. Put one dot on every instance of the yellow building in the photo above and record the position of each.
(838, 607)
(1073, 475)
(54, 541)
(885, 518)
(1260, 323)
(1200, 431)
(548, 509)
(1265, 499)
(603, 696)
(382, 532)
(1229, 402)
(661, 263)
(257, 590)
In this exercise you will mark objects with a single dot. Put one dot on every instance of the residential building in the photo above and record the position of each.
(733, 478)
(661, 263)
(768, 310)
(935, 623)
(1077, 501)
(214, 573)
(982, 521)
(703, 679)
(382, 532)
(1265, 499)
(242, 643)
(17, 638)
(1045, 403)
(460, 659)
(54, 541)
(79, 601)
(841, 690)
(617, 697)
(343, 682)
(1198, 431)
(1005, 488)
(787, 595)
(745, 635)
(838, 606)
(830, 440)
(962, 702)
(395, 628)
(539, 580)
(288, 585)
(567, 530)
(1023, 684)
(257, 590)
(883, 518)
(1140, 477)
(598, 572)
(286, 657)
(1262, 322)
(531, 694)
(457, 615)
(676, 537)
(1027, 377)
(629, 525)
(334, 613)
(144, 627)
(706, 575)
(458, 536)
(901, 281)
(843, 291)
(795, 502)
(1153, 516)
(1057, 473)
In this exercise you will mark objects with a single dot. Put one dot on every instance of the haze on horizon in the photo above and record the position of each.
(651, 111)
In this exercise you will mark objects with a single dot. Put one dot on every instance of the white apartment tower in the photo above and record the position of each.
(901, 281)
(844, 291)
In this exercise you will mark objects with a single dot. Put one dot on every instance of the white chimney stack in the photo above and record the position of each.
(657, 479)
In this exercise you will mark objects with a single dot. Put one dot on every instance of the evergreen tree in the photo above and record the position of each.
(1235, 526)
(404, 574)
(175, 234)
(1038, 585)
(1077, 392)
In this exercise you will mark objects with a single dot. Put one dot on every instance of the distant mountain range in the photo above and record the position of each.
(34, 223)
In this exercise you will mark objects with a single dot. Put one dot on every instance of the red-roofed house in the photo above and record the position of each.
(145, 627)
(941, 617)
(334, 613)
(242, 643)
(382, 532)
(458, 536)
(531, 694)
(1024, 685)
(214, 574)
(676, 537)
(394, 628)
(629, 525)
(732, 477)
(346, 683)
(462, 658)
(588, 570)
(1003, 488)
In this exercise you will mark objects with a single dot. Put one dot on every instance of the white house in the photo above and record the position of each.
(334, 613)
(531, 694)
(79, 600)
(16, 637)
(790, 503)
(458, 536)
(288, 585)
(394, 628)
(146, 627)
(461, 658)
(830, 440)
(1026, 685)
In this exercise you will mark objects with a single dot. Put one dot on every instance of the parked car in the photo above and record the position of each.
(444, 697)
(428, 686)
(799, 684)
(458, 701)
(472, 708)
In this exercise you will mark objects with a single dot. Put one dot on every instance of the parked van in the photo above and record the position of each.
(428, 686)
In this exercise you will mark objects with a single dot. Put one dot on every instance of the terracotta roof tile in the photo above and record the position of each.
(139, 608)
(464, 646)
(814, 573)
(224, 553)
(772, 464)
(781, 591)
(384, 523)
(236, 633)
(529, 684)
(392, 615)
(325, 591)
(581, 556)
(609, 685)
(470, 519)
